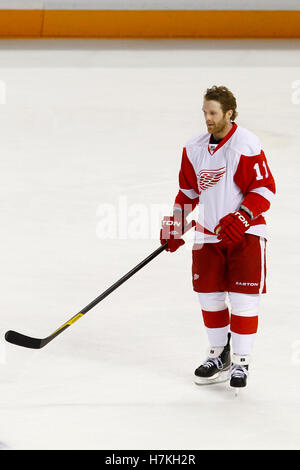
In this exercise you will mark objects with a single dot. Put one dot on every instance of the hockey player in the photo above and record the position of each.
(226, 171)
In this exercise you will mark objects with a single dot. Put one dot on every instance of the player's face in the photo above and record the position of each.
(215, 119)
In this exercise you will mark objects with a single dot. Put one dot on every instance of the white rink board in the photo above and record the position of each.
(22, 4)
(76, 135)
(151, 4)
(173, 4)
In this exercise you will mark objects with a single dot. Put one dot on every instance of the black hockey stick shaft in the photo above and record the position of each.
(37, 343)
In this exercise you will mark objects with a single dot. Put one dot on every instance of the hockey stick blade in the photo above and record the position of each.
(18, 339)
(22, 340)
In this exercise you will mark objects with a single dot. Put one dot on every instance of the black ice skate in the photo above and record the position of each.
(213, 368)
(239, 372)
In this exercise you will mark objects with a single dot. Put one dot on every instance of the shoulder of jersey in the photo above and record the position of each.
(245, 142)
(198, 140)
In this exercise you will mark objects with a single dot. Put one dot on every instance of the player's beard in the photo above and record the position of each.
(217, 128)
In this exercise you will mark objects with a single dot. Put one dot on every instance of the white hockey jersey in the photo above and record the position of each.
(220, 180)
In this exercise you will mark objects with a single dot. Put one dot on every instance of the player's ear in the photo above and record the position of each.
(229, 113)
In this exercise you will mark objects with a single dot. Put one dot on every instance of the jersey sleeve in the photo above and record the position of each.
(254, 178)
(188, 194)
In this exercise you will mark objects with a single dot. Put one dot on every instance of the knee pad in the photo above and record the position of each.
(212, 301)
(244, 305)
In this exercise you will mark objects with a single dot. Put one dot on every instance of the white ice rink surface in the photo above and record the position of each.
(87, 123)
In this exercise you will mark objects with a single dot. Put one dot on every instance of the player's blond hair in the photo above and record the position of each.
(225, 97)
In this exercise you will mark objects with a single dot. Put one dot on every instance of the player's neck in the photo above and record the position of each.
(223, 132)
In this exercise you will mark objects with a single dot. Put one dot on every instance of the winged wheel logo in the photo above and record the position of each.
(208, 178)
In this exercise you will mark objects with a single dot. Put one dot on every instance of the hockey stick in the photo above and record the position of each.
(37, 343)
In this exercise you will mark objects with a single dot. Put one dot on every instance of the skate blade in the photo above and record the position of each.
(220, 378)
(237, 390)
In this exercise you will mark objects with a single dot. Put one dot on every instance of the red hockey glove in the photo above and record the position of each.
(171, 232)
(232, 227)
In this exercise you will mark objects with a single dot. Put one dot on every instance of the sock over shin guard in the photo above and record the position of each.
(244, 321)
(215, 316)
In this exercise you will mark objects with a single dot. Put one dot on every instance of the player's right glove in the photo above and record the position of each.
(171, 232)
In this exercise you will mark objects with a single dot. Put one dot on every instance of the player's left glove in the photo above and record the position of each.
(232, 227)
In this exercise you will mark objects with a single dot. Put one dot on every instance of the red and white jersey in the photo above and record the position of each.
(224, 177)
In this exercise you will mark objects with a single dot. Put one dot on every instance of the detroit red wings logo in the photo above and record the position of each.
(208, 178)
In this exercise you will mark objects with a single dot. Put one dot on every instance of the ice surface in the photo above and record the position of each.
(87, 123)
